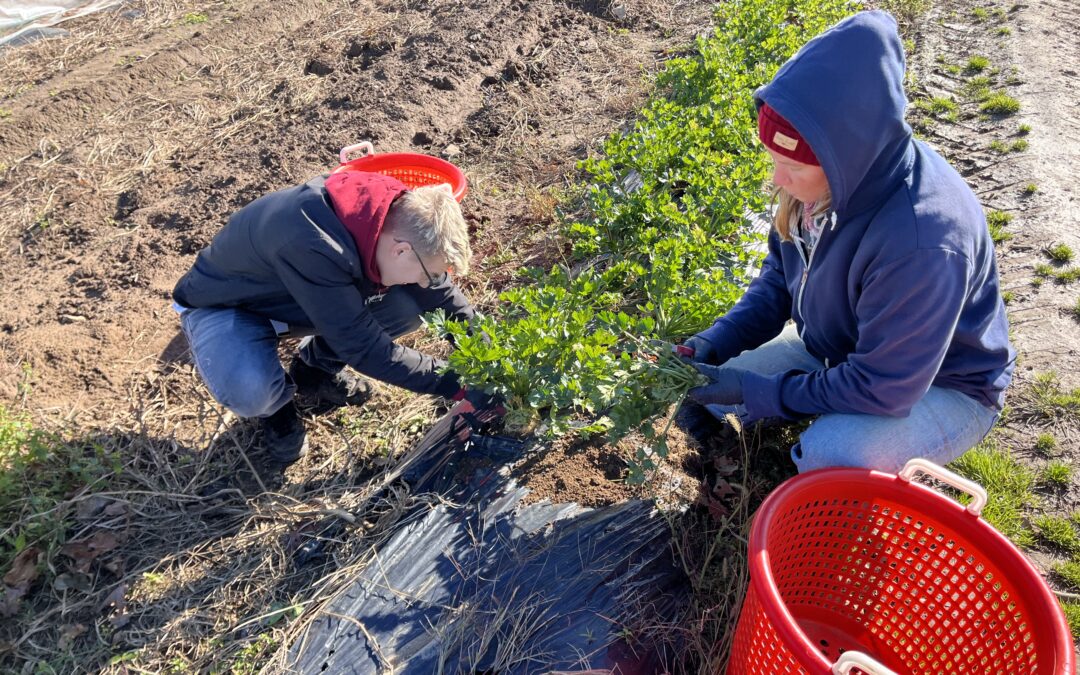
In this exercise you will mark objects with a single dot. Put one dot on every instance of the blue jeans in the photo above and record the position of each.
(943, 425)
(235, 351)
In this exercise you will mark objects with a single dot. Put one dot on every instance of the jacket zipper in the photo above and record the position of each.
(831, 219)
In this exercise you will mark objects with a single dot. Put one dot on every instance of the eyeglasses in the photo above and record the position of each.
(433, 281)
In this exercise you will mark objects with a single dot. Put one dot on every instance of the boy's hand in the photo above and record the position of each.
(481, 401)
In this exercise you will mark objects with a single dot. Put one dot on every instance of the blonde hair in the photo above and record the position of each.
(430, 219)
(789, 211)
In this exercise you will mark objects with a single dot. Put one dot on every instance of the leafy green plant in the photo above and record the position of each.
(1008, 483)
(1060, 253)
(1069, 573)
(1000, 103)
(665, 246)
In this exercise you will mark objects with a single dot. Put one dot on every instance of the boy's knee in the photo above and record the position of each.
(252, 394)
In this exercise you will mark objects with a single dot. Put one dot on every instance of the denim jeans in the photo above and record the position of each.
(943, 425)
(235, 351)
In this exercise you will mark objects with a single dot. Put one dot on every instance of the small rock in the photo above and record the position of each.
(451, 150)
(319, 68)
(618, 11)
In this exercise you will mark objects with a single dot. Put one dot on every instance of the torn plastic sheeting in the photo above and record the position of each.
(483, 583)
(18, 17)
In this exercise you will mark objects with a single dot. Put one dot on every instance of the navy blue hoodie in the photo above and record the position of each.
(901, 291)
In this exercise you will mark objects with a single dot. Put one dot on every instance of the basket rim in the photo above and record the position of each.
(388, 160)
(1014, 564)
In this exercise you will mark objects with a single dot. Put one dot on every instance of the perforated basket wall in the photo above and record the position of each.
(847, 559)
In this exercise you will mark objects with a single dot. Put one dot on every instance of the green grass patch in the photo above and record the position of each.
(38, 474)
(1059, 532)
(1003, 31)
(980, 14)
(1008, 483)
(1069, 573)
(1050, 400)
(999, 146)
(1024, 129)
(1019, 145)
(1061, 275)
(939, 106)
(5, 113)
(1046, 443)
(1000, 103)
(996, 222)
(1072, 616)
(1058, 474)
(976, 64)
(194, 18)
(1060, 253)
(1075, 310)
(1008, 297)
(1031, 188)
(976, 88)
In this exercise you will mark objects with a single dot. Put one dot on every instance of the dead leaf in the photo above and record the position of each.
(24, 569)
(73, 581)
(89, 508)
(115, 599)
(722, 489)
(9, 601)
(84, 552)
(70, 633)
(116, 509)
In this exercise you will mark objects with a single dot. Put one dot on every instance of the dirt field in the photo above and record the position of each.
(124, 147)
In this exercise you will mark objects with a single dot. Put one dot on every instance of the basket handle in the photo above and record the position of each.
(366, 146)
(977, 492)
(864, 662)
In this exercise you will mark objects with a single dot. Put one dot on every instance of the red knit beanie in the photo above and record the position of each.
(779, 136)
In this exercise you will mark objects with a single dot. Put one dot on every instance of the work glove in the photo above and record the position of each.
(698, 349)
(725, 386)
(481, 401)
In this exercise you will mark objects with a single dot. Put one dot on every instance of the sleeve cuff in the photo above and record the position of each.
(761, 396)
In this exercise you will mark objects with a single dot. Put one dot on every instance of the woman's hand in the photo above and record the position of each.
(703, 351)
(725, 386)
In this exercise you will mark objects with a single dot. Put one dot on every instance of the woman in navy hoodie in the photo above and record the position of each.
(880, 255)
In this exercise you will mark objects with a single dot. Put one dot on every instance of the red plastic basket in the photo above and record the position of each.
(412, 169)
(858, 570)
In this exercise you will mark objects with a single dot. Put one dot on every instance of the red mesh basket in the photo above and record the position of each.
(412, 169)
(854, 570)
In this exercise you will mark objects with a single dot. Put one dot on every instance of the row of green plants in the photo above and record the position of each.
(666, 245)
